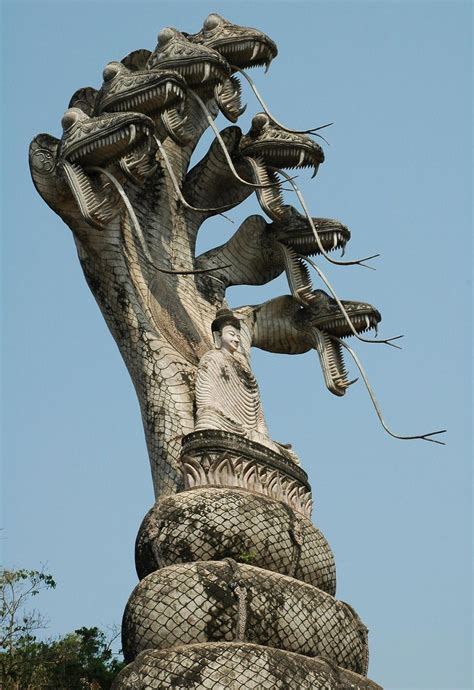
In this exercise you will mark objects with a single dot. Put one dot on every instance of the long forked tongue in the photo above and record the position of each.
(139, 233)
(315, 232)
(222, 144)
(422, 437)
(332, 363)
(94, 203)
(313, 131)
(177, 188)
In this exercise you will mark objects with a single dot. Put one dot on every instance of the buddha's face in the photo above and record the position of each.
(230, 338)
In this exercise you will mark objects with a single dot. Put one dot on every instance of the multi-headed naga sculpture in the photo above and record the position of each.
(237, 586)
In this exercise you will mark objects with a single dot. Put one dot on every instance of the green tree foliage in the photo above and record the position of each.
(82, 660)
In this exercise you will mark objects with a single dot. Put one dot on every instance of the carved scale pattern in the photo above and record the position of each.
(236, 585)
(239, 524)
(202, 602)
(231, 572)
(236, 666)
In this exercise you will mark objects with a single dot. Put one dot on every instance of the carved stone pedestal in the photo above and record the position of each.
(236, 585)
(219, 458)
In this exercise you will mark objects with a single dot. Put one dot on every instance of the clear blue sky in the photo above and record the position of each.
(394, 77)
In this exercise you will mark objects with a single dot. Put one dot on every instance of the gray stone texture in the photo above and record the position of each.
(226, 601)
(228, 557)
(236, 666)
(210, 524)
(214, 457)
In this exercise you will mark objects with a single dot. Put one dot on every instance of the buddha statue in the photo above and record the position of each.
(227, 394)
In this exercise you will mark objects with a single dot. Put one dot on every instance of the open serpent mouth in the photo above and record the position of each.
(253, 52)
(198, 64)
(154, 98)
(277, 148)
(228, 96)
(100, 141)
(197, 73)
(275, 154)
(144, 92)
(160, 94)
(362, 322)
(363, 317)
(296, 233)
(104, 139)
(267, 149)
(279, 155)
(332, 363)
(241, 46)
(330, 239)
(282, 155)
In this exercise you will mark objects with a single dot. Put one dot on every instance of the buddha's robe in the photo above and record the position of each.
(228, 399)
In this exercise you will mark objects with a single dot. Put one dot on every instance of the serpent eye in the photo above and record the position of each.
(212, 21)
(259, 121)
(70, 117)
(165, 35)
(110, 71)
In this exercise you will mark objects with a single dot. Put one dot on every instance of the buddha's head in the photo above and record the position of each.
(226, 331)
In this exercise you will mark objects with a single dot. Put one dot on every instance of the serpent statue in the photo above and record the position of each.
(236, 585)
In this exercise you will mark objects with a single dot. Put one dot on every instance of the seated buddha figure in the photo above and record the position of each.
(227, 394)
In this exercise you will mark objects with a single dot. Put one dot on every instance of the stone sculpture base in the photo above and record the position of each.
(224, 600)
(236, 585)
(220, 458)
(235, 666)
(238, 524)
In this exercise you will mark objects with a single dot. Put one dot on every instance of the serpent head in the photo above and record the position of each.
(101, 140)
(275, 147)
(324, 319)
(242, 46)
(295, 231)
(160, 94)
(88, 142)
(141, 91)
(199, 65)
(325, 314)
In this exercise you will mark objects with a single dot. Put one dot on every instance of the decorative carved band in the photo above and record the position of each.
(220, 458)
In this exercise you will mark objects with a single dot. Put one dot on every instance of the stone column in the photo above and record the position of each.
(236, 584)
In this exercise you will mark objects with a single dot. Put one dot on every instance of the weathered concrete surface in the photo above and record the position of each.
(218, 601)
(120, 178)
(210, 524)
(236, 666)
(213, 457)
